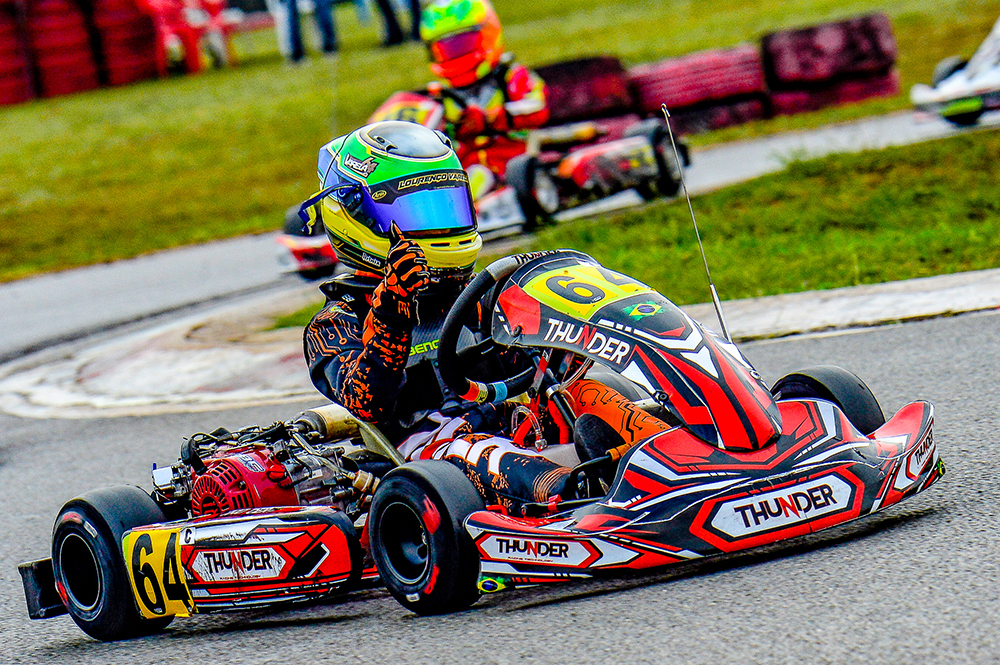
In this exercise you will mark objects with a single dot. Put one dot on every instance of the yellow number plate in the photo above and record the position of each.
(153, 560)
(583, 289)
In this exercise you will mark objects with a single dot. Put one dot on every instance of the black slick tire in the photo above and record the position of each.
(424, 555)
(520, 176)
(837, 385)
(89, 565)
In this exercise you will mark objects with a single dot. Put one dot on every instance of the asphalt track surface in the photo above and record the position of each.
(918, 583)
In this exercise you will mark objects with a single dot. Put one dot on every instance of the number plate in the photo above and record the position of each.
(583, 290)
(152, 557)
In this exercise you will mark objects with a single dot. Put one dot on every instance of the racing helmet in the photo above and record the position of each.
(403, 173)
(464, 38)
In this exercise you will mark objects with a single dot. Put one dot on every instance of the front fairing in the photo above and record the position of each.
(568, 301)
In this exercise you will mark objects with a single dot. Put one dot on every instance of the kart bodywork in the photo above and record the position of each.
(743, 466)
(319, 505)
(961, 91)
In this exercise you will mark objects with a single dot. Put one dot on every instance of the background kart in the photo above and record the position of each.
(301, 510)
(596, 144)
(962, 90)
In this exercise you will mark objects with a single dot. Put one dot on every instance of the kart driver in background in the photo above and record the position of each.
(488, 95)
(397, 208)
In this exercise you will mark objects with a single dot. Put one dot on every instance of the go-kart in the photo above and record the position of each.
(307, 251)
(553, 168)
(962, 90)
(317, 505)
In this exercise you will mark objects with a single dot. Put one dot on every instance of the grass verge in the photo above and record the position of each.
(115, 173)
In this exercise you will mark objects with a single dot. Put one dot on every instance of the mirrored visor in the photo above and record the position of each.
(455, 46)
(439, 201)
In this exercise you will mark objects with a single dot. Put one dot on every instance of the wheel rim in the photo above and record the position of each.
(80, 573)
(405, 548)
(545, 192)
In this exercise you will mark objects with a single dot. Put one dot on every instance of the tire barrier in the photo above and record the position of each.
(789, 102)
(59, 41)
(586, 88)
(15, 64)
(856, 48)
(127, 40)
(708, 76)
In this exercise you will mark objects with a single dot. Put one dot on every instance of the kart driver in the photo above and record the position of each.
(488, 94)
(397, 208)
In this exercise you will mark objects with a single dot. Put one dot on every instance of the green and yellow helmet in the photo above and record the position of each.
(402, 173)
(464, 38)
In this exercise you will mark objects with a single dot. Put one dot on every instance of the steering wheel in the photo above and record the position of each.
(464, 309)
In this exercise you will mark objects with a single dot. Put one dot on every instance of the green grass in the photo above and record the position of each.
(900, 213)
(116, 173)
(843, 220)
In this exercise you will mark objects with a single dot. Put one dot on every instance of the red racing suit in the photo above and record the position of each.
(509, 99)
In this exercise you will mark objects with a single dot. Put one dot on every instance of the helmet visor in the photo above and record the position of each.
(455, 46)
(438, 201)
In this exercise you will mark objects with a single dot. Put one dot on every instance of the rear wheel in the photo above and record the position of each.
(837, 385)
(423, 553)
(88, 564)
(668, 180)
(536, 192)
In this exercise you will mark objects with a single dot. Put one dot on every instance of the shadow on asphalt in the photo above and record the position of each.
(854, 531)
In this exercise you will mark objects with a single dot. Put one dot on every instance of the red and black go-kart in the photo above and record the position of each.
(600, 140)
(301, 510)
(594, 145)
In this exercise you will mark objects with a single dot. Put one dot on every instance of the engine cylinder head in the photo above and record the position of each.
(238, 482)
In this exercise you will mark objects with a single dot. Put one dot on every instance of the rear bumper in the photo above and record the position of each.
(40, 589)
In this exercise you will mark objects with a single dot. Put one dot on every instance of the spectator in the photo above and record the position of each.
(393, 31)
(324, 21)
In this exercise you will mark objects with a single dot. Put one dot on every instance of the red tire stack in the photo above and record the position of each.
(15, 67)
(828, 64)
(585, 89)
(127, 41)
(58, 38)
(705, 90)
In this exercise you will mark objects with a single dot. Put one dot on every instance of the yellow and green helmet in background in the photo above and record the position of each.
(403, 173)
(464, 37)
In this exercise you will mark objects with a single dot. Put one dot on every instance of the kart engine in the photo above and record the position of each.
(287, 464)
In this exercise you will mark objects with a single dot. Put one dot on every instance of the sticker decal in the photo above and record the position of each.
(585, 289)
(532, 550)
(363, 168)
(256, 563)
(778, 509)
(153, 562)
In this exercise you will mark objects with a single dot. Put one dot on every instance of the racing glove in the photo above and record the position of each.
(405, 274)
(471, 124)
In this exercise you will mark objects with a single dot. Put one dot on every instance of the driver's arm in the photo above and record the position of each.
(361, 367)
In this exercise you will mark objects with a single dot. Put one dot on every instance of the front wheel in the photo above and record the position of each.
(668, 179)
(89, 566)
(837, 385)
(423, 553)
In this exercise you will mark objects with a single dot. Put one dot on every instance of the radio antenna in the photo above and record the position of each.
(711, 284)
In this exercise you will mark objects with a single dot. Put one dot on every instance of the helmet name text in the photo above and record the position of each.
(441, 178)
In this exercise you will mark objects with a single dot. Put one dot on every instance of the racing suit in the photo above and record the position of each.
(374, 352)
(508, 99)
